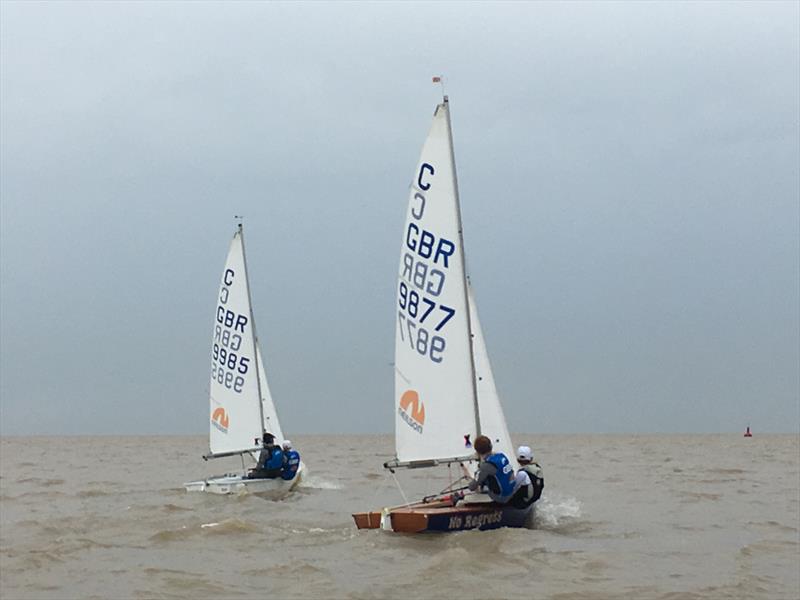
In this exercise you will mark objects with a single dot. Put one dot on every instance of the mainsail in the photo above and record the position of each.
(236, 421)
(438, 405)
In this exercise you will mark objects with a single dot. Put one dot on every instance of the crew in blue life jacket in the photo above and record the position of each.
(270, 460)
(291, 461)
(495, 474)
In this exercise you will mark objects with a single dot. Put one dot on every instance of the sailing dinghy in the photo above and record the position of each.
(445, 395)
(241, 407)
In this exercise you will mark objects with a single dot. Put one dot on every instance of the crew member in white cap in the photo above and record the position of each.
(291, 461)
(532, 469)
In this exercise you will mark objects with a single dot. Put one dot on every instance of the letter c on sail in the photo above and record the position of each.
(412, 410)
(424, 167)
(219, 418)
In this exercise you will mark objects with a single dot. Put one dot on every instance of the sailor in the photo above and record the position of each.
(291, 461)
(495, 474)
(532, 470)
(270, 460)
(523, 496)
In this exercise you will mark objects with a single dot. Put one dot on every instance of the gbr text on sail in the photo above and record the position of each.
(425, 262)
(229, 365)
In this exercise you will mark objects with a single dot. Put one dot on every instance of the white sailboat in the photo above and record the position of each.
(445, 395)
(241, 406)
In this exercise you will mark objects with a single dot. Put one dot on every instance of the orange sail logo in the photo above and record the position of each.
(412, 410)
(219, 419)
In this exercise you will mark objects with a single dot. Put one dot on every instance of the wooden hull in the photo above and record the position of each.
(441, 517)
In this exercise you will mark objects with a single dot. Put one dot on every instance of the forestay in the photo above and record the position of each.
(236, 412)
(434, 388)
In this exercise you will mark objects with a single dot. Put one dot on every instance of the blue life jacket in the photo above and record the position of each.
(290, 464)
(505, 473)
(275, 461)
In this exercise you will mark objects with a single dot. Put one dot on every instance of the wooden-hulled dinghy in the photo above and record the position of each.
(443, 515)
(445, 395)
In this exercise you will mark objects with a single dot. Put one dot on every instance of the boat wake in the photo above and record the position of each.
(554, 511)
(318, 483)
(225, 527)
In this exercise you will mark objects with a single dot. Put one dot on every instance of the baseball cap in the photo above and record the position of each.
(525, 453)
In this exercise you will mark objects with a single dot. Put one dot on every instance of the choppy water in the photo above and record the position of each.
(645, 516)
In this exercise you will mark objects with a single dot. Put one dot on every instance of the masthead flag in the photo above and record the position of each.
(436, 79)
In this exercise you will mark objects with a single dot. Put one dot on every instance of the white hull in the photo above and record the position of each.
(235, 483)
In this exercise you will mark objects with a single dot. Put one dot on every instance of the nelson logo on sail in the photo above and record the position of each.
(219, 418)
(412, 410)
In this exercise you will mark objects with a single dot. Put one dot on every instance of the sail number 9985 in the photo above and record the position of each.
(228, 367)
(227, 378)
(229, 359)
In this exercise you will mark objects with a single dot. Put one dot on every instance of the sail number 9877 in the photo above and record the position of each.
(420, 340)
(410, 300)
(414, 310)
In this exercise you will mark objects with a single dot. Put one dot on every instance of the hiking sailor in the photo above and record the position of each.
(291, 461)
(495, 474)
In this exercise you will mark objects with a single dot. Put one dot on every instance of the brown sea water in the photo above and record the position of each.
(668, 516)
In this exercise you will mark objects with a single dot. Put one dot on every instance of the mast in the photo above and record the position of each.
(464, 273)
(253, 325)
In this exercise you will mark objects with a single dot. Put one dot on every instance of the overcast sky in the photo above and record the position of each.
(629, 186)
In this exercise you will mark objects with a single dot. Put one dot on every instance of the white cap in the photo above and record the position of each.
(286, 444)
(524, 453)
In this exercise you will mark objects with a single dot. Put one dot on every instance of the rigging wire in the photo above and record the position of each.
(402, 493)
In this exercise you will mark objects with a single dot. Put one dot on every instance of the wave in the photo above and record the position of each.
(693, 497)
(299, 570)
(554, 511)
(773, 525)
(175, 508)
(41, 481)
(164, 571)
(720, 471)
(93, 494)
(225, 527)
(179, 583)
(318, 483)
(39, 494)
